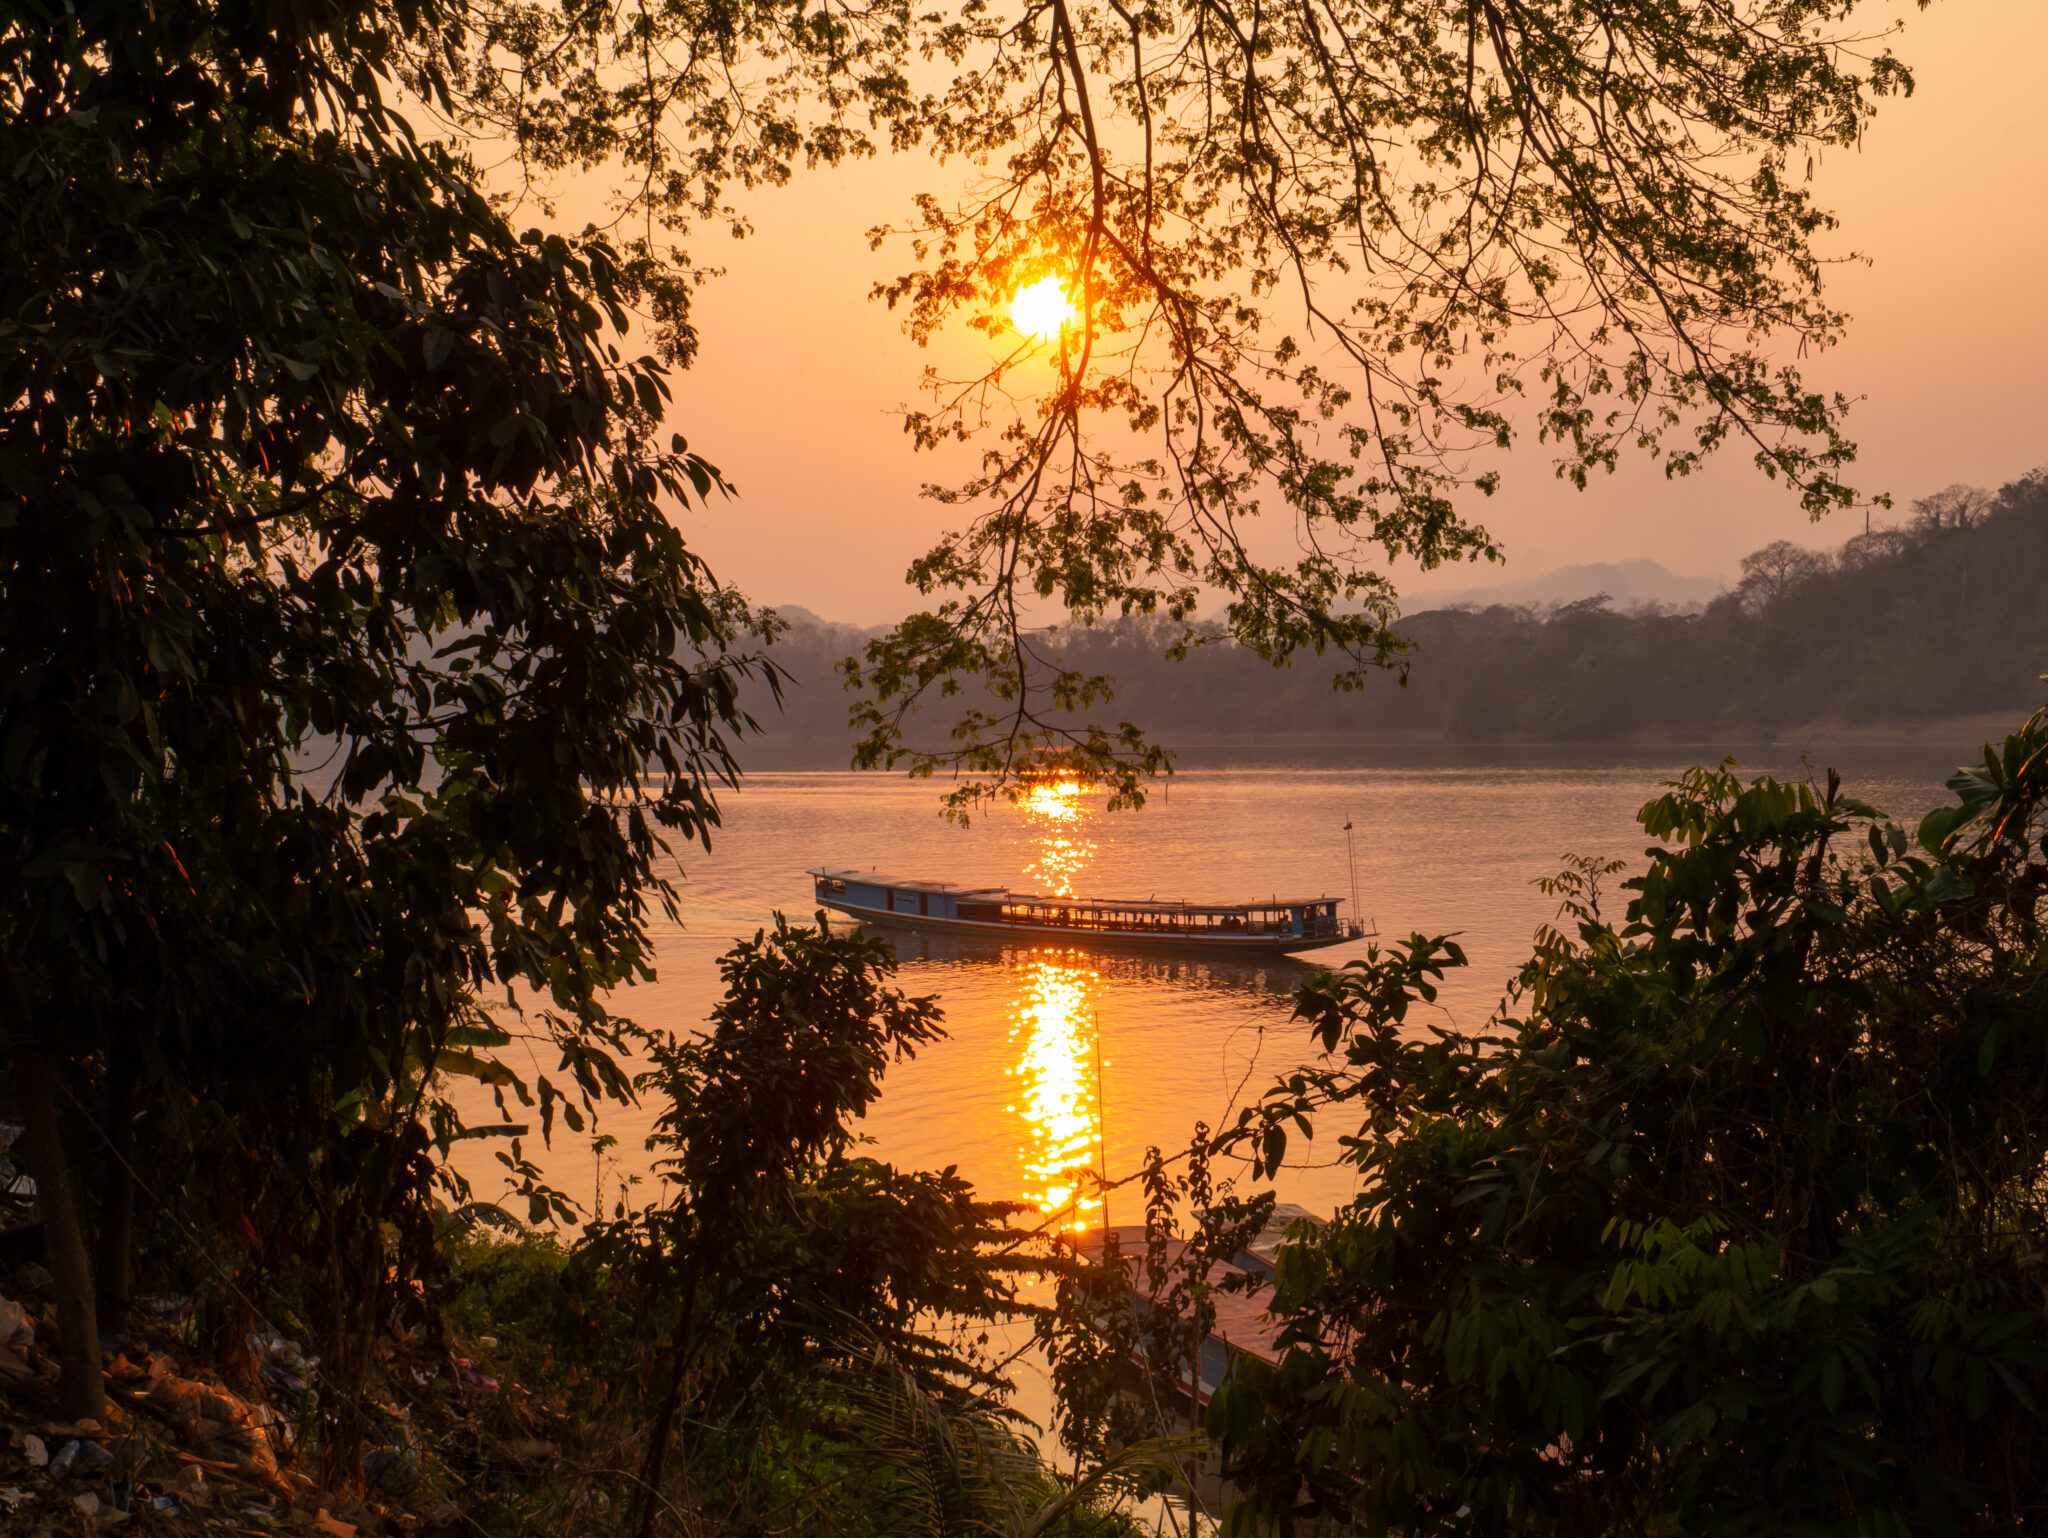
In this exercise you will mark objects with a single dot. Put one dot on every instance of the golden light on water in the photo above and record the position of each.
(1042, 310)
(1053, 801)
(1058, 1067)
(1059, 812)
(1053, 1022)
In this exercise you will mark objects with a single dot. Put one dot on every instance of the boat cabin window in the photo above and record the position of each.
(832, 886)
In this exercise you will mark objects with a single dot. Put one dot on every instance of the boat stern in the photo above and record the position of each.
(873, 897)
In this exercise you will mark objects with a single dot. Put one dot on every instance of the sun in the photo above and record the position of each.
(1042, 311)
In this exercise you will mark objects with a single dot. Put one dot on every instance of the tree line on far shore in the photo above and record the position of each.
(1934, 618)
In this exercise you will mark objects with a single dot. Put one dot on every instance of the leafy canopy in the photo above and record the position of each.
(339, 582)
(351, 670)
(1734, 1222)
(1330, 257)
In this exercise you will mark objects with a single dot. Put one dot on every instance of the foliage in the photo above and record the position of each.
(775, 1253)
(861, 1448)
(1329, 257)
(924, 1468)
(350, 667)
(792, 1335)
(1733, 1224)
(769, 1225)
(1124, 1335)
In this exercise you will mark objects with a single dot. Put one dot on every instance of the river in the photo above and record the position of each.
(1058, 1059)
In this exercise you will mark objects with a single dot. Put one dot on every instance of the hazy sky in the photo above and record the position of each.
(794, 390)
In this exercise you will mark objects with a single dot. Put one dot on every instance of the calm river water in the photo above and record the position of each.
(1445, 844)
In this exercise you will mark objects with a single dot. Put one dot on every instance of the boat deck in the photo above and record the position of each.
(1242, 1326)
(1275, 924)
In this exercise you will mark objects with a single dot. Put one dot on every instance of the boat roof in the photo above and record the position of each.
(905, 884)
(1051, 900)
(1263, 1252)
(1242, 1323)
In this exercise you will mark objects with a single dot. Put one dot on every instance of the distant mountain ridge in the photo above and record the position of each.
(1628, 583)
(797, 615)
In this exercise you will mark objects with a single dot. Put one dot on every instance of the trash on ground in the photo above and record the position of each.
(286, 1370)
(390, 1468)
(208, 1417)
(34, 1281)
(17, 1326)
(190, 1484)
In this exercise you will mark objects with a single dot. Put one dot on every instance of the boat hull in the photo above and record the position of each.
(1079, 935)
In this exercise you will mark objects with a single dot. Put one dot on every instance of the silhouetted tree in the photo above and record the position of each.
(1953, 507)
(349, 663)
(1458, 199)
(1730, 1220)
(1768, 574)
(1910, 624)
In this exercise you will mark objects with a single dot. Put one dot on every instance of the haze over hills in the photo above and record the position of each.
(797, 616)
(1936, 620)
(1628, 583)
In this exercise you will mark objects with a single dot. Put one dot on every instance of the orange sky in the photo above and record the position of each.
(792, 394)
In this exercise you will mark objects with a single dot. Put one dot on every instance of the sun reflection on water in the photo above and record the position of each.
(1055, 1049)
(1053, 1024)
(1058, 812)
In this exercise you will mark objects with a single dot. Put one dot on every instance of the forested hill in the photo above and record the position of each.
(1940, 617)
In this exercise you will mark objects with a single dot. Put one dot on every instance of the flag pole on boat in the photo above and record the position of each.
(1101, 1124)
(1351, 850)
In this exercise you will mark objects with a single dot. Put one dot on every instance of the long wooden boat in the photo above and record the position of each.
(1271, 927)
(1242, 1326)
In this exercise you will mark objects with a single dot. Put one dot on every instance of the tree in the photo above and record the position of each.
(1768, 574)
(349, 664)
(1878, 637)
(1879, 545)
(778, 1265)
(1953, 507)
(788, 1334)
(1731, 1224)
(1332, 257)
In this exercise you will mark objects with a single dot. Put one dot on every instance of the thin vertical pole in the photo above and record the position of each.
(1101, 1125)
(1351, 850)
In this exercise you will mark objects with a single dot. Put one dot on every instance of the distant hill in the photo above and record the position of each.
(1936, 620)
(798, 617)
(1629, 583)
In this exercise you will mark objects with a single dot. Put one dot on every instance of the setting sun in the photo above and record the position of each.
(1042, 310)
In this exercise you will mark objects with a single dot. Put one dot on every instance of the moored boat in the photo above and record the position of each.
(1241, 1326)
(1269, 927)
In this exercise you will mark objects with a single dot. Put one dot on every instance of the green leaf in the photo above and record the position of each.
(1833, 1379)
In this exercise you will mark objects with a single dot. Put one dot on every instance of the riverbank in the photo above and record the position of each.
(780, 753)
(491, 1424)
